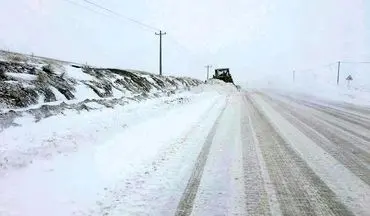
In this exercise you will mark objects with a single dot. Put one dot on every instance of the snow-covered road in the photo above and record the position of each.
(211, 153)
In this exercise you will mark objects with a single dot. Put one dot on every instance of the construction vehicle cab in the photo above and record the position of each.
(223, 74)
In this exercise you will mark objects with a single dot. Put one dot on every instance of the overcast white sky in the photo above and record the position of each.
(252, 37)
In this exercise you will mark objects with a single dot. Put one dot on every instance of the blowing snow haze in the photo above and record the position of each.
(89, 125)
(256, 38)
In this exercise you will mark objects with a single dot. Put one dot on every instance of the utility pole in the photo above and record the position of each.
(338, 73)
(294, 76)
(160, 50)
(208, 67)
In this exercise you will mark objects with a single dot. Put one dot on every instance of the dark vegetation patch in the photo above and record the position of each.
(40, 78)
(103, 89)
(16, 95)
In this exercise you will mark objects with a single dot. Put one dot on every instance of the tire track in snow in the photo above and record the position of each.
(359, 109)
(348, 116)
(338, 144)
(359, 122)
(260, 194)
(299, 190)
(185, 205)
(134, 195)
(222, 190)
(358, 135)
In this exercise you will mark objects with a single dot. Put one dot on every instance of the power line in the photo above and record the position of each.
(193, 56)
(196, 60)
(318, 67)
(89, 9)
(146, 27)
(338, 64)
(177, 43)
(349, 62)
(122, 16)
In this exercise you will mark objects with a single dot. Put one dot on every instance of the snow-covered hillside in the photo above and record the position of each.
(28, 80)
(38, 87)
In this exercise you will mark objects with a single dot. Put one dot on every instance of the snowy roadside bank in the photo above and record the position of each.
(74, 164)
(15, 117)
(63, 133)
(36, 87)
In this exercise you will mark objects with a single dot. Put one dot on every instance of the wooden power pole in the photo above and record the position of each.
(208, 68)
(338, 74)
(160, 50)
